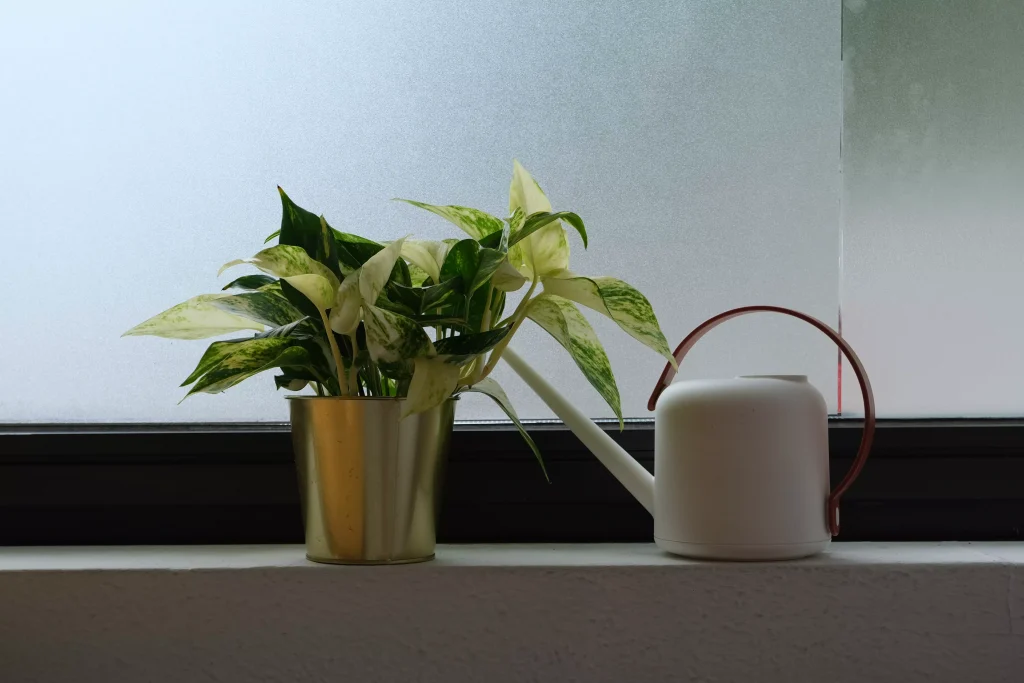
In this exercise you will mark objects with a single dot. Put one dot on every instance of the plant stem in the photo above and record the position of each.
(334, 352)
(485, 324)
(353, 372)
(518, 317)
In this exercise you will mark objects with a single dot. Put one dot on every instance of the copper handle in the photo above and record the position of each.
(832, 506)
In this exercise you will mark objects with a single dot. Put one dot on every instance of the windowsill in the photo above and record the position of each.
(593, 556)
(872, 611)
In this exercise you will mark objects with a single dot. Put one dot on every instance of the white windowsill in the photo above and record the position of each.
(614, 612)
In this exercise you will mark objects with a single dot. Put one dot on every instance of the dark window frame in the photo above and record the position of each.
(927, 480)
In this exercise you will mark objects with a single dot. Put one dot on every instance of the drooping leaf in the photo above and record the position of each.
(507, 278)
(316, 288)
(619, 301)
(391, 337)
(304, 229)
(462, 348)
(474, 263)
(249, 282)
(489, 387)
(248, 358)
(428, 255)
(285, 261)
(269, 307)
(473, 222)
(540, 220)
(292, 382)
(214, 354)
(197, 318)
(433, 382)
(562, 320)
(376, 272)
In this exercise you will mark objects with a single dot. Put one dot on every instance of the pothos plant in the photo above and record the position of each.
(424, 320)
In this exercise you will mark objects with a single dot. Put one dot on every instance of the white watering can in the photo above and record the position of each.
(741, 464)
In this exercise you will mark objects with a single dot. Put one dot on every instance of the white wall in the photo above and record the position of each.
(142, 143)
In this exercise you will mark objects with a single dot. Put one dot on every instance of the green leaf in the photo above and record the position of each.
(196, 318)
(562, 320)
(286, 261)
(473, 222)
(304, 229)
(423, 299)
(391, 338)
(248, 358)
(268, 307)
(474, 263)
(462, 348)
(489, 387)
(353, 250)
(540, 220)
(292, 381)
(619, 301)
(433, 382)
(249, 282)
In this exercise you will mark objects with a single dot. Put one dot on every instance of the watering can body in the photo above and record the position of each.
(741, 469)
(741, 464)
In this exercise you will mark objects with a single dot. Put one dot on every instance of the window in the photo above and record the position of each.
(826, 155)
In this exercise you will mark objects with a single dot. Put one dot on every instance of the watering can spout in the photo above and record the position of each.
(631, 474)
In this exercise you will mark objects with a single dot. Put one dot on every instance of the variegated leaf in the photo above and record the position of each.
(391, 337)
(284, 260)
(463, 348)
(347, 310)
(197, 318)
(214, 354)
(375, 273)
(433, 382)
(619, 301)
(247, 358)
(250, 282)
(545, 251)
(316, 288)
(491, 388)
(507, 278)
(269, 307)
(429, 255)
(562, 320)
(475, 223)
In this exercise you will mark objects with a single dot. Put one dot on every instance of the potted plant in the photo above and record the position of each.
(382, 338)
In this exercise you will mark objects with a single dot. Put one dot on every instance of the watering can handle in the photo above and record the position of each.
(832, 509)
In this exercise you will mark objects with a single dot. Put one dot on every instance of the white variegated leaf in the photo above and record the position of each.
(547, 250)
(433, 382)
(427, 254)
(316, 288)
(267, 306)
(391, 338)
(285, 260)
(247, 358)
(197, 318)
(375, 272)
(475, 223)
(507, 278)
(489, 387)
(562, 320)
(347, 310)
(619, 301)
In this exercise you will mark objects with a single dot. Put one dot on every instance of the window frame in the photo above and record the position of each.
(927, 480)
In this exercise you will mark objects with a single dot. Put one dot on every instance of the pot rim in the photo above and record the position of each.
(356, 398)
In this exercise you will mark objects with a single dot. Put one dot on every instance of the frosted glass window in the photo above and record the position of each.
(933, 204)
(143, 141)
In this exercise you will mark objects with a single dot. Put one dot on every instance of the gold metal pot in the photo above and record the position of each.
(370, 483)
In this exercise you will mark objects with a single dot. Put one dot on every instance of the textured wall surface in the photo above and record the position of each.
(513, 613)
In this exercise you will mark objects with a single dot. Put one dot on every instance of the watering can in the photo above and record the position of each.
(741, 464)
